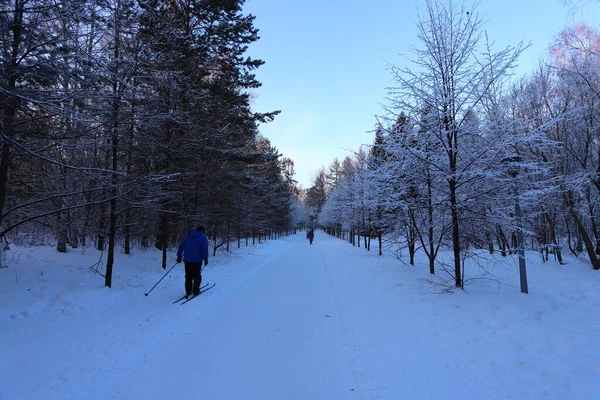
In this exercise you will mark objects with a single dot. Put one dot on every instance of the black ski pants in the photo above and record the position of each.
(193, 278)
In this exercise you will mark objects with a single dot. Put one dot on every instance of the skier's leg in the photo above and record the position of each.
(189, 276)
(199, 282)
(197, 278)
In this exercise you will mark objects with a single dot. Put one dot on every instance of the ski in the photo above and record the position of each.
(201, 291)
(184, 296)
(179, 299)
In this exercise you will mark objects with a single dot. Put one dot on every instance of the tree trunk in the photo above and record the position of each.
(228, 239)
(569, 236)
(412, 237)
(553, 240)
(502, 241)
(455, 234)
(127, 233)
(215, 244)
(162, 238)
(73, 238)
(101, 225)
(587, 241)
(430, 231)
(111, 241)
(490, 243)
(589, 246)
(11, 103)
(112, 224)
(61, 234)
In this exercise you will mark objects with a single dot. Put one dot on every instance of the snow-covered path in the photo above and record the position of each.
(278, 333)
(288, 320)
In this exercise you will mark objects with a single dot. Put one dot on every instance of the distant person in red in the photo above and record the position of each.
(194, 250)
(310, 235)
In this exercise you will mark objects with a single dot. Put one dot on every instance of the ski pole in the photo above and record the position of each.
(146, 294)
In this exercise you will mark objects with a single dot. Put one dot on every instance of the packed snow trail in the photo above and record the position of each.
(289, 320)
(278, 333)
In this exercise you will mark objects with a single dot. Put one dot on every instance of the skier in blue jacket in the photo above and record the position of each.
(194, 249)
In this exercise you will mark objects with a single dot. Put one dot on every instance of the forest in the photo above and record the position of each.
(470, 157)
(124, 123)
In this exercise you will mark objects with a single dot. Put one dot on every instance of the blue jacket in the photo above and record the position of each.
(195, 247)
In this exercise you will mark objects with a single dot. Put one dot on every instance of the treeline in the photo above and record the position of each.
(464, 150)
(127, 122)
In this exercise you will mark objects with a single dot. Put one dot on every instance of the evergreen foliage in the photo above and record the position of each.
(129, 122)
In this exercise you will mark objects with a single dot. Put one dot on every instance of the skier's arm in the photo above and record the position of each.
(180, 250)
(205, 251)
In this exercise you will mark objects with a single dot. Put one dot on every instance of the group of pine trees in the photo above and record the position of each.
(125, 122)
(464, 144)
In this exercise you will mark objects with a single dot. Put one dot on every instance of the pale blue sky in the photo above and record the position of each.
(326, 64)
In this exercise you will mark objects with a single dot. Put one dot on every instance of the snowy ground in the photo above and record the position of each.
(292, 321)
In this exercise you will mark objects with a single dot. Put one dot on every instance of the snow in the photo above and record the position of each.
(288, 320)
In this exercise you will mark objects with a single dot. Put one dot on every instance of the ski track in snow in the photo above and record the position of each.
(270, 319)
(344, 325)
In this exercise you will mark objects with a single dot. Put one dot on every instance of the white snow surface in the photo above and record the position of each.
(289, 320)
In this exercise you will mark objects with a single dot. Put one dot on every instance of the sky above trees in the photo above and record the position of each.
(327, 64)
